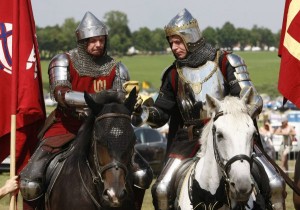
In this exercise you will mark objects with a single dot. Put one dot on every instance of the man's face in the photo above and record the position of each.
(284, 123)
(95, 45)
(177, 46)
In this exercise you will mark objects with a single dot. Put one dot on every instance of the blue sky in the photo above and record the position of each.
(157, 13)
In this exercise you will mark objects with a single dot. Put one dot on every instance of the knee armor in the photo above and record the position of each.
(164, 186)
(31, 190)
(32, 176)
(142, 174)
(276, 182)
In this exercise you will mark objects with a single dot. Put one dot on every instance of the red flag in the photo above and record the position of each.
(21, 89)
(289, 50)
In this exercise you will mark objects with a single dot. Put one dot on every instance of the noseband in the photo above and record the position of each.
(115, 164)
(219, 159)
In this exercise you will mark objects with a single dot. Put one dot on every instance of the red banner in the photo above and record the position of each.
(21, 89)
(289, 50)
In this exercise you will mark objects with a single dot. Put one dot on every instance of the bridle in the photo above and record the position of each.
(220, 160)
(97, 177)
(114, 164)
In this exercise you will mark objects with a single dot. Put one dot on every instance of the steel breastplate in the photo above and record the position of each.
(193, 85)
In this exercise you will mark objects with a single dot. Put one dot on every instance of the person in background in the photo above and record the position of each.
(11, 186)
(87, 68)
(267, 131)
(288, 133)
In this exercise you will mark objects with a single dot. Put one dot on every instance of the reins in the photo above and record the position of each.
(97, 177)
(115, 164)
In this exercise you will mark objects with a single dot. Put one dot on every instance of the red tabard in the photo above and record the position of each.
(66, 123)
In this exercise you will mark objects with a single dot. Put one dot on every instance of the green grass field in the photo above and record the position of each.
(262, 66)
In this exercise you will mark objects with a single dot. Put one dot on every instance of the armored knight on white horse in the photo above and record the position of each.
(199, 69)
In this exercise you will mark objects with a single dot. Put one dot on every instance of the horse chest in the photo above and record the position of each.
(203, 199)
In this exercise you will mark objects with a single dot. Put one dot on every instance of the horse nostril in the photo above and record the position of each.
(123, 194)
(232, 184)
(105, 194)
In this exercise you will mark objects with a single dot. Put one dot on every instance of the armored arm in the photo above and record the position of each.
(60, 84)
(158, 114)
(122, 76)
(242, 79)
(153, 116)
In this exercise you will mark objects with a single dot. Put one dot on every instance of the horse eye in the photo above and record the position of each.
(255, 135)
(219, 135)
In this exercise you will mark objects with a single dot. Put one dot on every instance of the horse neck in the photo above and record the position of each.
(208, 169)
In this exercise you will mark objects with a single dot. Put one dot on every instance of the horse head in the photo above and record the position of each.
(228, 141)
(112, 144)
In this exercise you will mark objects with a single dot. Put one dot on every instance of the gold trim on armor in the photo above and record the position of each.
(173, 30)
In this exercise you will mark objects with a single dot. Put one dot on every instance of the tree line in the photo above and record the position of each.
(59, 38)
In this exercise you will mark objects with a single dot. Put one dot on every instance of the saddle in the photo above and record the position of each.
(54, 169)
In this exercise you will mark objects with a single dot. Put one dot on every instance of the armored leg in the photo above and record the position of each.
(162, 190)
(277, 192)
(142, 178)
(32, 176)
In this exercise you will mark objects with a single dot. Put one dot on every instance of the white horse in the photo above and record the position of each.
(220, 178)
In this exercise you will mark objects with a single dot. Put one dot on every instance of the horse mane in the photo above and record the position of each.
(229, 105)
(83, 139)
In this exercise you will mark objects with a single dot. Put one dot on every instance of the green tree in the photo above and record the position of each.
(159, 40)
(227, 35)
(267, 37)
(119, 32)
(68, 37)
(255, 36)
(142, 39)
(210, 35)
(48, 40)
(277, 38)
(243, 37)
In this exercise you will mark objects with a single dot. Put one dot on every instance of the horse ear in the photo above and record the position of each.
(247, 94)
(131, 100)
(212, 103)
(92, 104)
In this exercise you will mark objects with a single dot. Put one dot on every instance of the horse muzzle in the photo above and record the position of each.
(113, 198)
(240, 193)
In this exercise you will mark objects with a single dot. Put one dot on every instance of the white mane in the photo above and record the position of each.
(229, 105)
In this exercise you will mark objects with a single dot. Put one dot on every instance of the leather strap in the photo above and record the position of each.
(190, 132)
(49, 121)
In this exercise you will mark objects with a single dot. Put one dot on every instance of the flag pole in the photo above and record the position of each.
(13, 157)
(15, 72)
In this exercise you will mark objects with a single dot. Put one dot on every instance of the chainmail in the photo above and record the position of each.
(87, 65)
(199, 57)
(116, 134)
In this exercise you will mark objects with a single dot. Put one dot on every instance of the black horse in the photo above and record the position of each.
(96, 174)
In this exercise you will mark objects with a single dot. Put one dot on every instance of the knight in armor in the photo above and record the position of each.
(198, 69)
(86, 68)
